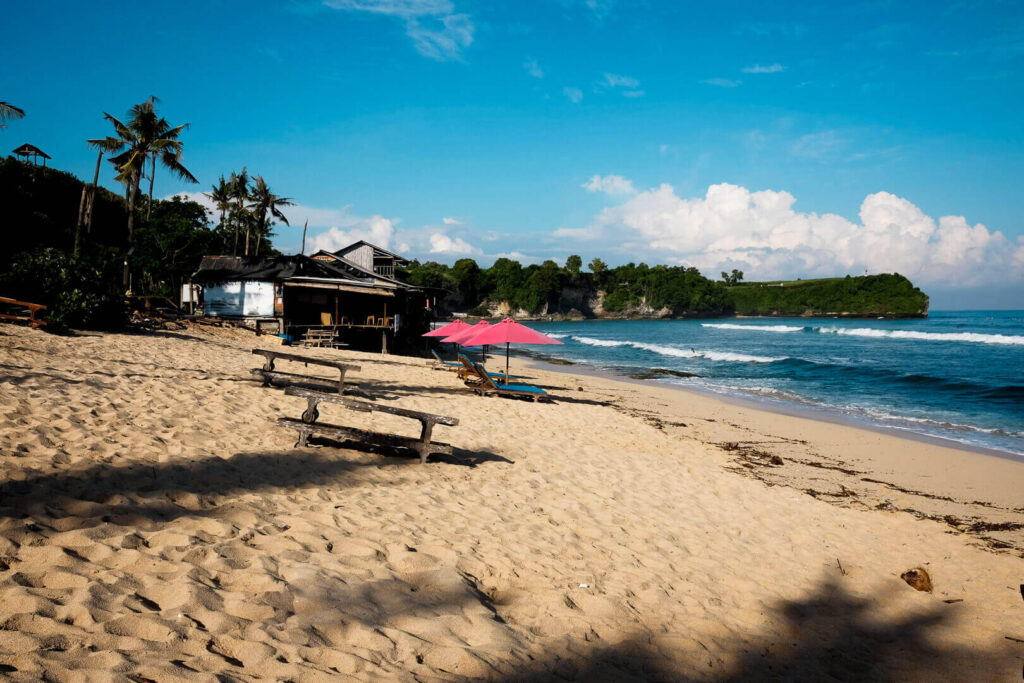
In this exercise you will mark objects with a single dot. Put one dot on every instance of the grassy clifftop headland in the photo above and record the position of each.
(890, 295)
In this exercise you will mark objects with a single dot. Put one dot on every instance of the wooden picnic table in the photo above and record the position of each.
(308, 426)
(268, 373)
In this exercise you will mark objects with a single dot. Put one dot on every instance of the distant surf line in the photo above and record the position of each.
(870, 332)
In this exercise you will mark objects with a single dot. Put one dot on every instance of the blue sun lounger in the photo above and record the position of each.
(468, 371)
(487, 386)
(445, 364)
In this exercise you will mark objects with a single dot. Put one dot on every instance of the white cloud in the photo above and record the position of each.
(769, 69)
(634, 93)
(575, 234)
(375, 229)
(617, 81)
(761, 233)
(447, 220)
(575, 95)
(533, 68)
(722, 82)
(436, 30)
(443, 244)
(816, 145)
(609, 184)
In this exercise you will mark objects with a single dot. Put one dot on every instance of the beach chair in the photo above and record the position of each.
(486, 386)
(442, 364)
(467, 371)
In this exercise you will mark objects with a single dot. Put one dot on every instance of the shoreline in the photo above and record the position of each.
(781, 407)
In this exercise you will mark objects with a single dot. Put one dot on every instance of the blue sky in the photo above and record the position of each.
(782, 139)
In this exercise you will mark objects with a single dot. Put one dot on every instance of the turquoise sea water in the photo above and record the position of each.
(957, 374)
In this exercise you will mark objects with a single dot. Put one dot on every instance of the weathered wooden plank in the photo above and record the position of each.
(365, 406)
(424, 447)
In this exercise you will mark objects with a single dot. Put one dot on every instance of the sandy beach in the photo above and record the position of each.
(155, 524)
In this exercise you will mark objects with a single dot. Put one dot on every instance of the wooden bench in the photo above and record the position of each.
(268, 373)
(308, 426)
(31, 319)
(318, 337)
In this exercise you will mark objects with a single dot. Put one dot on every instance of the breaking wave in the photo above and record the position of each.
(676, 352)
(975, 337)
(762, 328)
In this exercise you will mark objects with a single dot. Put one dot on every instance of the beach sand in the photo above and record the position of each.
(155, 524)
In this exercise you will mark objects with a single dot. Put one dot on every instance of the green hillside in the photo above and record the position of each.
(863, 295)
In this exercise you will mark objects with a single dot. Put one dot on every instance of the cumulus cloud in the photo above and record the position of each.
(436, 30)
(448, 220)
(609, 184)
(443, 244)
(768, 69)
(375, 229)
(575, 95)
(533, 68)
(760, 232)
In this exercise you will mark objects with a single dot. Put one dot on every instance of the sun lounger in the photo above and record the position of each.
(268, 373)
(485, 385)
(442, 364)
(308, 426)
(467, 371)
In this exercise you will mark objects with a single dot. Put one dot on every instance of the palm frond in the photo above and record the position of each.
(9, 112)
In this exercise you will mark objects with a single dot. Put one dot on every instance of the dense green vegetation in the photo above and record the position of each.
(77, 248)
(39, 264)
(642, 290)
(863, 295)
(549, 288)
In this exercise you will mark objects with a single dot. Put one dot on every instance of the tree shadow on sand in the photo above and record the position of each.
(831, 635)
(151, 491)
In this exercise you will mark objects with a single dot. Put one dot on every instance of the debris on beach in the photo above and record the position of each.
(918, 579)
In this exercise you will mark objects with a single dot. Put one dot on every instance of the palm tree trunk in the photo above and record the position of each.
(152, 177)
(92, 194)
(78, 223)
(133, 189)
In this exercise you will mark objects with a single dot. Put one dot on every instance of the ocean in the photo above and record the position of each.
(956, 375)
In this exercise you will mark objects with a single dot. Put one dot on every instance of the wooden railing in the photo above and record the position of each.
(31, 318)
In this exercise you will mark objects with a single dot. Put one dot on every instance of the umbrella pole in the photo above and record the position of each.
(506, 362)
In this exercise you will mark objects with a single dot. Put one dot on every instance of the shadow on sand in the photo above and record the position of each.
(831, 635)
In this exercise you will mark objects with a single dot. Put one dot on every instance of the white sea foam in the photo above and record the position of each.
(554, 335)
(761, 328)
(677, 352)
(975, 337)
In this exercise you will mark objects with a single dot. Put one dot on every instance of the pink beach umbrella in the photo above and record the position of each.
(508, 331)
(449, 329)
(468, 331)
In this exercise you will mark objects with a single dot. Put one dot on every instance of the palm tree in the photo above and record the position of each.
(144, 138)
(8, 112)
(221, 196)
(266, 202)
(239, 184)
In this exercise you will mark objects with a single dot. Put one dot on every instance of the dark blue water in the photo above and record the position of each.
(956, 374)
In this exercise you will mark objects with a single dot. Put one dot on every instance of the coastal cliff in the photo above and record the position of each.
(633, 292)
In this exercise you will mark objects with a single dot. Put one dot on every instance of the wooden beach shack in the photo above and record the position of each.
(322, 300)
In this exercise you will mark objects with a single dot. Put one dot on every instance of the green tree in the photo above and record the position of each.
(239, 192)
(266, 206)
(144, 138)
(220, 194)
(597, 266)
(573, 265)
